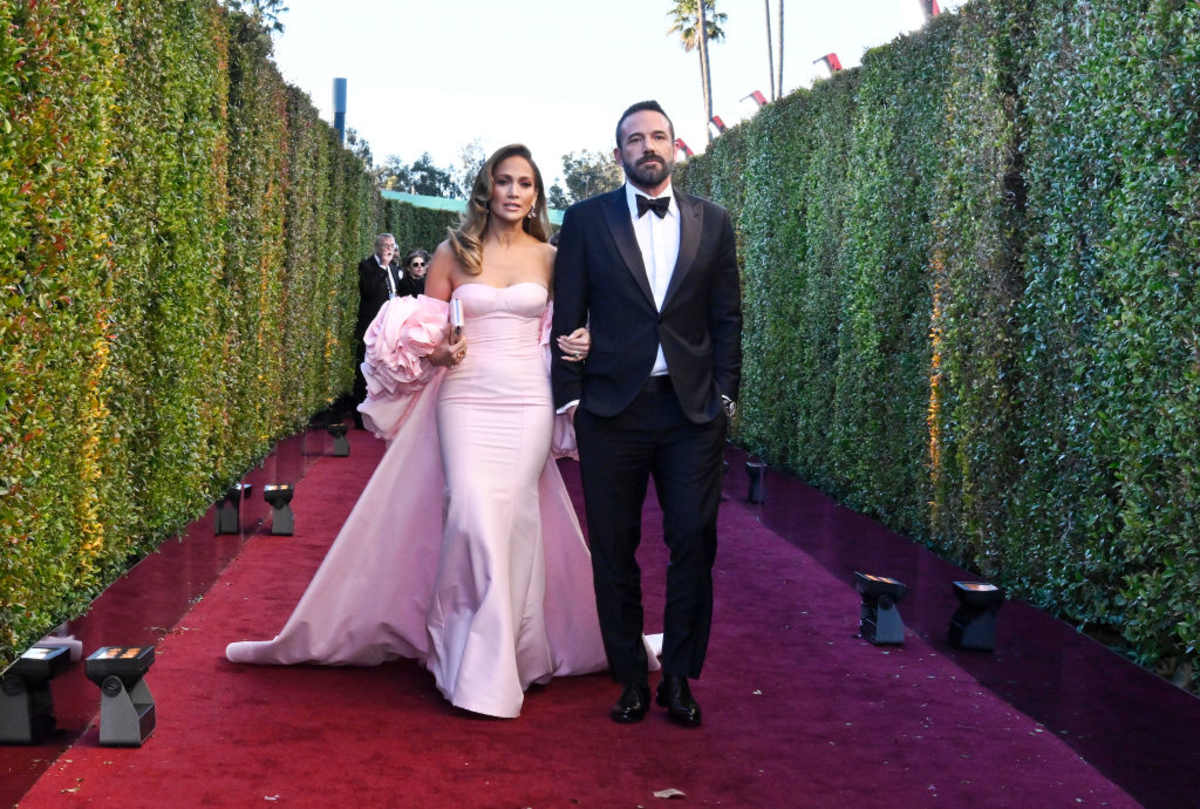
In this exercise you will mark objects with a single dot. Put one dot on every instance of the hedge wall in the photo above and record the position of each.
(416, 227)
(178, 240)
(970, 275)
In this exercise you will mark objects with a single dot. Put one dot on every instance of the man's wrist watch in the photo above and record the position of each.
(729, 405)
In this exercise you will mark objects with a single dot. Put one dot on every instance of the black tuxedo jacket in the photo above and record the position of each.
(599, 274)
(372, 292)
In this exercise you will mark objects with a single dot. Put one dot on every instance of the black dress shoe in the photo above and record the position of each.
(676, 697)
(633, 704)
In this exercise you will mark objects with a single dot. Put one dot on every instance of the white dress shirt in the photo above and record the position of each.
(658, 241)
(387, 276)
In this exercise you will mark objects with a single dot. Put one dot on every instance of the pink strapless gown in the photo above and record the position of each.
(463, 552)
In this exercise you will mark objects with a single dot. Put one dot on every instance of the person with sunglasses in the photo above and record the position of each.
(415, 265)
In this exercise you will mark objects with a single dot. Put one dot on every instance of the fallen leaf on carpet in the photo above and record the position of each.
(670, 793)
(270, 797)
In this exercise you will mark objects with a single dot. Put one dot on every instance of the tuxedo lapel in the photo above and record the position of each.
(691, 227)
(616, 216)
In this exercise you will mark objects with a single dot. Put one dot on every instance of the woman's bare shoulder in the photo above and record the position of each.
(444, 269)
(546, 255)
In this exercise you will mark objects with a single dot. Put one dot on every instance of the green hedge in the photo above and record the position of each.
(971, 301)
(415, 227)
(178, 242)
(57, 310)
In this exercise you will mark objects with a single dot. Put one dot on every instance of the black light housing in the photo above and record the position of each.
(341, 445)
(879, 620)
(973, 625)
(279, 496)
(26, 704)
(756, 472)
(229, 509)
(127, 713)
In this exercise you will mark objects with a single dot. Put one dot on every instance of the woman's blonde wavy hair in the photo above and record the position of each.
(467, 239)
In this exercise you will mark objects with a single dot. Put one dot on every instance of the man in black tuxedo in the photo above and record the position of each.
(378, 280)
(653, 271)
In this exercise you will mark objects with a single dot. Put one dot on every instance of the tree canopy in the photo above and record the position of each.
(585, 173)
(422, 176)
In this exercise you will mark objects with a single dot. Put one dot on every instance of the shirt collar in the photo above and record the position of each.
(631, 195)
(382, 266)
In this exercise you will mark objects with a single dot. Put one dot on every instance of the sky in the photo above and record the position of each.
(436, 75)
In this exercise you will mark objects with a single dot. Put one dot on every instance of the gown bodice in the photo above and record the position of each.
(503, 322)
(526, 299)
(505, 359)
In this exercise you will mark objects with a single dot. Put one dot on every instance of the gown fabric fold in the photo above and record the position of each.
(463, 551)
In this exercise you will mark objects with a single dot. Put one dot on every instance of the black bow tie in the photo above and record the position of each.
(658, 205)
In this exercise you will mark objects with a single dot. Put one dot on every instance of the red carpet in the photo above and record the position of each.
(798, 712)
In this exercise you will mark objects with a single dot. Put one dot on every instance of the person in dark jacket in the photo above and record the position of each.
(378, 280)
(415, 265)
(654, 273)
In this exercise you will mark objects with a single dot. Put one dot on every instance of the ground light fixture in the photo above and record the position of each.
(973, 625)
(279, 497)
(879, 620)
(756, 474)
(341, 446)
(127, 715)
(26, 705)
(229, 509)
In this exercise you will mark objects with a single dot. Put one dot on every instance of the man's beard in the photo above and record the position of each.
(647, 173)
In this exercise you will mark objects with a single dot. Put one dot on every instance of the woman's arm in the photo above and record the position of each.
(439, 283)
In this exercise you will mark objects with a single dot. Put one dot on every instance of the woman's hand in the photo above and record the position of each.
(450, 351)
(576, 345)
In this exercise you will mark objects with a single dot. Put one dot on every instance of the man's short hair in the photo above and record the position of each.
(642, 106)
(381, 238)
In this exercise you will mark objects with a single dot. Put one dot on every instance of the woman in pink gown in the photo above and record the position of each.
(480, 571)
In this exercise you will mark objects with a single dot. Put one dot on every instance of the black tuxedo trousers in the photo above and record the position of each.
(618, 454)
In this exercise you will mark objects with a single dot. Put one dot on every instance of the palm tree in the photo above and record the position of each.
(689, 17)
